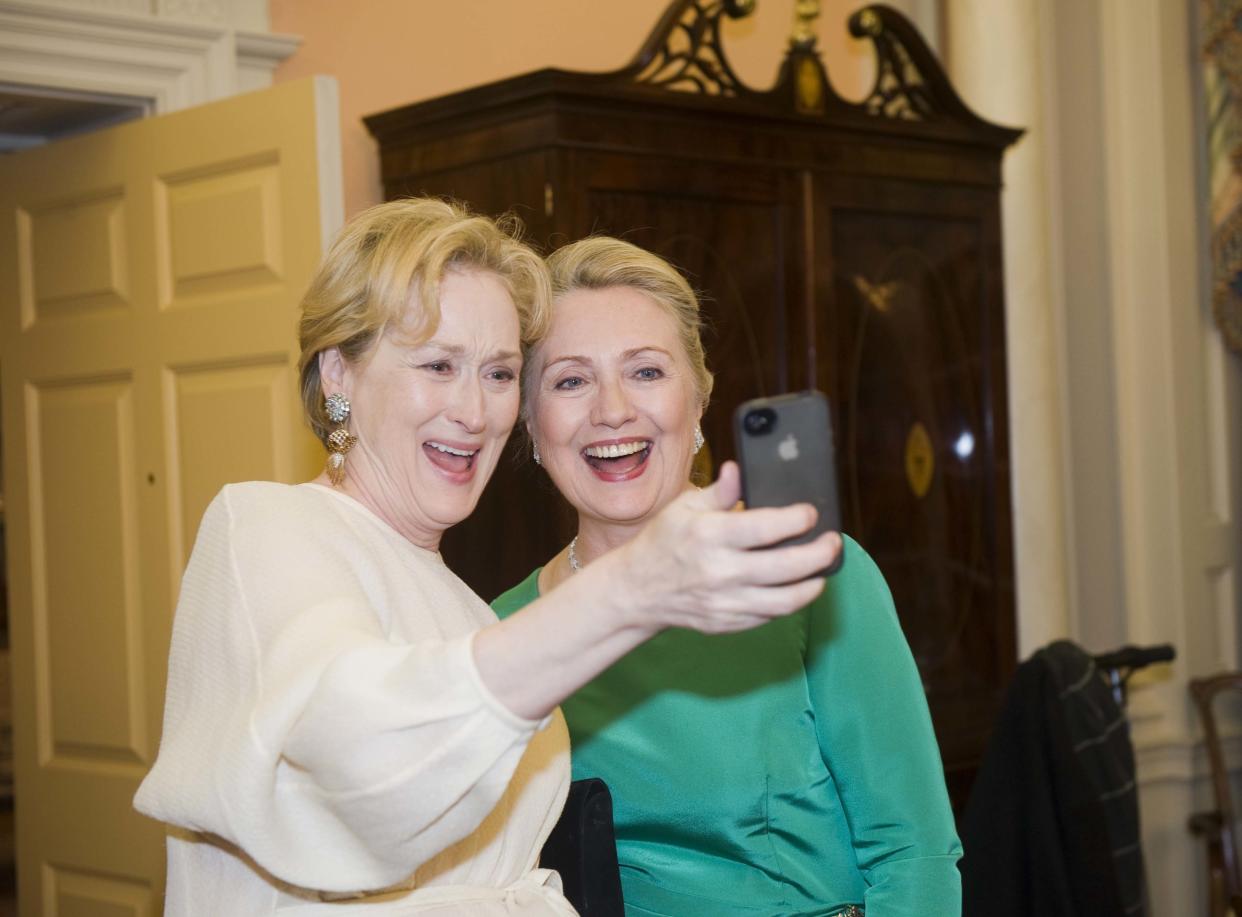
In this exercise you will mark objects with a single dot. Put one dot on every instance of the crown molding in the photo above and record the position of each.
(108, 48)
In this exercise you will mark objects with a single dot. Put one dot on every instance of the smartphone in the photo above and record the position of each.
(784, 448)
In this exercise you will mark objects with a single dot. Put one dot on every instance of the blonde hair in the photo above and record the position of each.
(394, 255)
(599, 262)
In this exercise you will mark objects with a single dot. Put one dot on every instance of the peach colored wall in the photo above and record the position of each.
(386, 53)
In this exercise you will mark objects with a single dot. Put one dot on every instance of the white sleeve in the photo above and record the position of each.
(294, 728)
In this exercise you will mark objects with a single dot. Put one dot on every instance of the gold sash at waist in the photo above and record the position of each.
(543, 884)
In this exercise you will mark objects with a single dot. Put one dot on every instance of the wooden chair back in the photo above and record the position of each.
(1217, 826)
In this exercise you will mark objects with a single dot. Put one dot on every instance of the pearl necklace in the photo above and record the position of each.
(573, 556)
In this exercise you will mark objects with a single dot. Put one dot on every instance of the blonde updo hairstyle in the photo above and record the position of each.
(384, 270)
(600, 262)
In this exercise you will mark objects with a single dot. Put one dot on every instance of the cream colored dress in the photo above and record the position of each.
(327, 735)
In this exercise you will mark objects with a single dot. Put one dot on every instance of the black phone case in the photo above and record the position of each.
(793, 461)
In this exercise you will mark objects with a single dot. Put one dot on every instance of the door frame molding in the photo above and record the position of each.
(172, 63)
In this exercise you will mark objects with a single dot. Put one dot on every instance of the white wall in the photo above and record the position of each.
(997, 68)
(1125, 404)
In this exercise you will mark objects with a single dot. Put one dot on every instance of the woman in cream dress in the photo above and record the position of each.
(348, 729)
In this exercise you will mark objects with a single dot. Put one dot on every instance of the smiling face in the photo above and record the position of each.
(432, 418)
(614, 407)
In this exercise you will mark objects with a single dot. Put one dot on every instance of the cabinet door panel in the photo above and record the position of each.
(520, 521)
(911, 334)
(516, 184)
(728, 230)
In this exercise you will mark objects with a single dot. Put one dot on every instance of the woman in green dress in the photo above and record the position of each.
(791, 769)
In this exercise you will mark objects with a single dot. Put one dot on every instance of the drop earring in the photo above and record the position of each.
(534, 453)
(340, 440)
(698, 439)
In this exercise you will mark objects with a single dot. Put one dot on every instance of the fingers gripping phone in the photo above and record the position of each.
(784, 448)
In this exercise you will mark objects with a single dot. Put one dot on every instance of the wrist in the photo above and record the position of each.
(623, 592)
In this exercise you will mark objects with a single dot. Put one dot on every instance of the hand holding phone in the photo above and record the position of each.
(784, 448)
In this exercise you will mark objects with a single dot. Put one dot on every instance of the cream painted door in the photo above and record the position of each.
(149, 282)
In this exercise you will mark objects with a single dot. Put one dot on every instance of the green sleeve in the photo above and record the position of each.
(876, 738)
(518, 597)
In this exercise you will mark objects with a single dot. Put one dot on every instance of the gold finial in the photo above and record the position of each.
(805, 14)
(870, 23)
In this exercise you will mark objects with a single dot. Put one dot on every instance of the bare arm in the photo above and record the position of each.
(693, 566)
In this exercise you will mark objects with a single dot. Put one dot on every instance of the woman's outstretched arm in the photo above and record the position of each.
(693, 566)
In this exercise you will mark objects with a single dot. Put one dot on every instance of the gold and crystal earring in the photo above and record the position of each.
(534, 453)
(340, 440)
(698, 439)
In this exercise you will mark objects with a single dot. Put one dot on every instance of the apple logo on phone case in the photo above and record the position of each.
(788, 448)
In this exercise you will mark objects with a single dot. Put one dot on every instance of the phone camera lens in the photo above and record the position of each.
(759, 422)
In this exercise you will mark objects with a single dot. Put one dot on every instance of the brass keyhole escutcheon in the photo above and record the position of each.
(920, 460)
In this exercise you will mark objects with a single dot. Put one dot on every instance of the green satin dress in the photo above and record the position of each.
(787, 770)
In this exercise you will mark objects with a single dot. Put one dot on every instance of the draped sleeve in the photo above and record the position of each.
(876, 737)
(323, 712)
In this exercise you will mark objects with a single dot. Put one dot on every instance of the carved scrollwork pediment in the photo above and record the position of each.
(684, 53)
(901, 90)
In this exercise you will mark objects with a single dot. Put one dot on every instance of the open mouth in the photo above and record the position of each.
(452, 459)
(618, 460)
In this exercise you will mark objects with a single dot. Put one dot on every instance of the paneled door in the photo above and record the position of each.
(149, 282)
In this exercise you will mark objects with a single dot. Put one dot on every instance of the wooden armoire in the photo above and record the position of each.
(849, 247)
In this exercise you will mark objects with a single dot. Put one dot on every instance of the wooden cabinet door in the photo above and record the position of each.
(912, 352)
(520, 521)
(733, 231)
